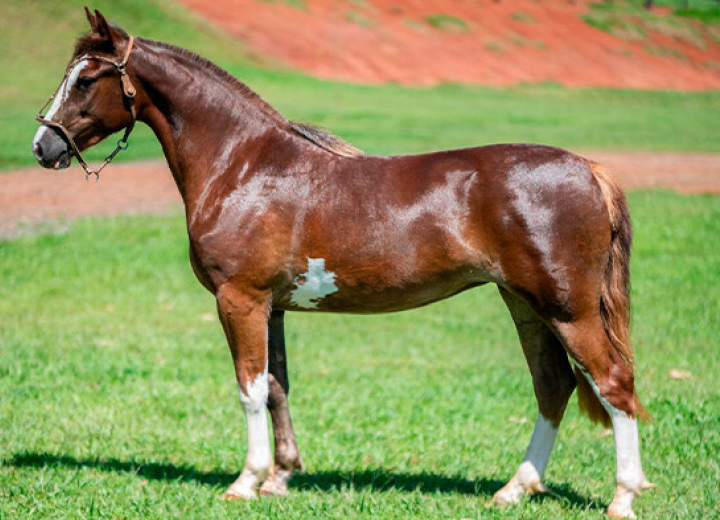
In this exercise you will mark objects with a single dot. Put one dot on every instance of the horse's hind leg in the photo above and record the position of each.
(287, 456)
(611, 379)
(553, 381)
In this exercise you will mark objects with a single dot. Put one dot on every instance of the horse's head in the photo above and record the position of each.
(95, 97)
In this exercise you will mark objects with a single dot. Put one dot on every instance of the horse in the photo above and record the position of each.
(282, 216)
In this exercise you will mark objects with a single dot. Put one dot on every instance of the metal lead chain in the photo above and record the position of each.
(121, 146)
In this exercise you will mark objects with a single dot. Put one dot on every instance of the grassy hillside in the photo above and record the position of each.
(707, 11)
(37, 42)
(629, 19)
(38, 37)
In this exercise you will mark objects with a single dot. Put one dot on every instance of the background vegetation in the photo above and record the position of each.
(421, 119)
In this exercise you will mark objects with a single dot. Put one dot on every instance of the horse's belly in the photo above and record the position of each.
(319, 290)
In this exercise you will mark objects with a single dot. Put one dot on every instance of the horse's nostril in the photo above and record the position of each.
(37, 150)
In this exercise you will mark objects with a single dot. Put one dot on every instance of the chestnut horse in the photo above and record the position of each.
(285, 217)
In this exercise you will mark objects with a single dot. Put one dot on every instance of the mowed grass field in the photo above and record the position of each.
(117, 393)
(118, 400)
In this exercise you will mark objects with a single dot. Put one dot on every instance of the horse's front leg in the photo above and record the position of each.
(244, 315)
(287, 456)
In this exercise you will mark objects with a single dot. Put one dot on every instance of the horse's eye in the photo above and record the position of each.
(84, 83)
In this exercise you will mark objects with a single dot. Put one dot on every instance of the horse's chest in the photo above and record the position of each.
(224, 252)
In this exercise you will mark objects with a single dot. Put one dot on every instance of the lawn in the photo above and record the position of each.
(117, 395)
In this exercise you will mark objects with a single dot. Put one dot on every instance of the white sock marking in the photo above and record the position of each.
(254, 403)
(627, 447)
(541, 445)
(528, 479)
(629, 474)
(257, 462)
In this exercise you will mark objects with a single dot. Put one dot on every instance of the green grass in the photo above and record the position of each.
(448, 23)
(297, 4)
(117, 396)
(522, 17)
(356, 17)
(618, 20)
(706, 11)
(383, 119)
(629, 20)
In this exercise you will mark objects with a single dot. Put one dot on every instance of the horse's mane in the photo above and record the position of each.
(88, 44)
(325, 140)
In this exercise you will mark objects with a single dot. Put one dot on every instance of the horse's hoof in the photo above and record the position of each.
(273, 489)
(620, 512)
(514, 491)
(621, 506)
(277, 484)
(299, 465)
(510, 494)
(239, 494)
(245, 485)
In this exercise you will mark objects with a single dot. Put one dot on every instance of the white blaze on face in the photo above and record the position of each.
(314, 285)
(60, 97)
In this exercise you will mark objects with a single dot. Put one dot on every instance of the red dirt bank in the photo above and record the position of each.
(503, 43)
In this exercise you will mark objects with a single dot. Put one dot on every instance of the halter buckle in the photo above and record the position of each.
(128, 87)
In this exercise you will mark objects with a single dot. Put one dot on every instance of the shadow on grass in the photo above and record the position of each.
(375, 480)
(380, 481)
(148, 470)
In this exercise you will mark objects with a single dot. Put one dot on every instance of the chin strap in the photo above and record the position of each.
(129, 93)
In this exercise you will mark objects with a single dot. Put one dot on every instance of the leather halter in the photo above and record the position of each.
(129, 92)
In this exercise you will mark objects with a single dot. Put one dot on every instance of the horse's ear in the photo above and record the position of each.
(91, 19)
(102, 27)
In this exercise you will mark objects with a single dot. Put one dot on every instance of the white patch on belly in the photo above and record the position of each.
(314, 285)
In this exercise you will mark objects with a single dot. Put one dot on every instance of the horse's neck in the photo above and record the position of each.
(202, 120)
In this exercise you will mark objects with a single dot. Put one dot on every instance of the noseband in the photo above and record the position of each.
(129, 98)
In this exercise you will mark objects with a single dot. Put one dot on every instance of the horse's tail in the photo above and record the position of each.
(614, 294)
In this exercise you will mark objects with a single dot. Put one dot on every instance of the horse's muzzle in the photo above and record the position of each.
(50, 149)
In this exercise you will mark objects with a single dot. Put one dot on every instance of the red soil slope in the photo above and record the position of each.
(502, 43)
